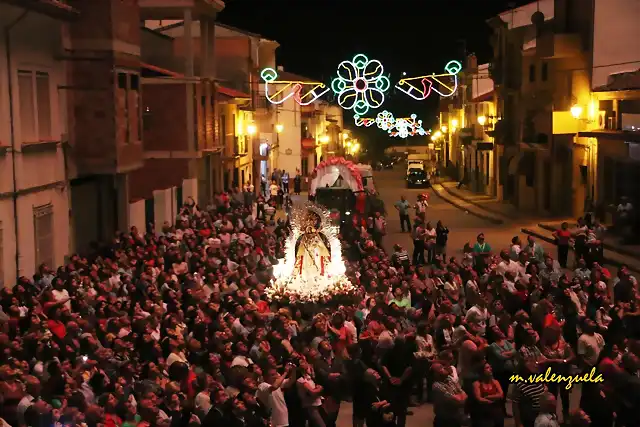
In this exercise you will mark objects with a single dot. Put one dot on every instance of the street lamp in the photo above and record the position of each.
(444, 129)
(433, 138)
(482, 120)
(438, 134)
(252, 129)
(576, 111)
(279, 128)
(324, 139)
(454, 123)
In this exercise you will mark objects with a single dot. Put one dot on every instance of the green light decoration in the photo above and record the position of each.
(360, 85)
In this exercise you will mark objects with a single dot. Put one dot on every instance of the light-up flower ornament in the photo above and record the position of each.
(360, 84)
(385, 120)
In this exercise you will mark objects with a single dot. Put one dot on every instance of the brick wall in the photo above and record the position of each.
(157, 174)
(167, 118)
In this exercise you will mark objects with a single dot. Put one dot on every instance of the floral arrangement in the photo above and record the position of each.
(290, 284)
(340, 161)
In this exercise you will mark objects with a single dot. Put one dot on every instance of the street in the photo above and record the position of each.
(463, 228)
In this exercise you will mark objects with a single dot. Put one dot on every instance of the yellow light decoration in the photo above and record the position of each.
(433, 138)
(420, 87)
(438, 134)
(454, 123)
(324, 139)
(444, 129)
(482, 120)
(252, 129)
(279, 128)
(269, 75)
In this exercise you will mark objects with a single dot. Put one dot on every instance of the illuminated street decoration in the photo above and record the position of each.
(360, 84)
(407, 127)
(304, 93)
(420, 87)
(395, 127)
(363, 121)
(385, 120)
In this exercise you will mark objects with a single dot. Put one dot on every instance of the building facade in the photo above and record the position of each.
(34, 189)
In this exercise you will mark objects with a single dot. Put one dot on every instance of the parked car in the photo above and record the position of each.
(417, 178)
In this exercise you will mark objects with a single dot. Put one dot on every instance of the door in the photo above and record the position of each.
(149, 212)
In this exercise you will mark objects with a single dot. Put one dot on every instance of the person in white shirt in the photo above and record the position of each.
(516, 248)
(478, 315)
(273, 190)
(270, 394)
(590, 344)
(507, 265)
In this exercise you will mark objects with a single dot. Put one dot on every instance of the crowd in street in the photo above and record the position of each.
(173, 328)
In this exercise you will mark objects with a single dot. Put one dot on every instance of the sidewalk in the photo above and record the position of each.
(497, 212)
(610, 242)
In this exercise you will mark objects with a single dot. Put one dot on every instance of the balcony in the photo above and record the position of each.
(559, 45)
(174, 9)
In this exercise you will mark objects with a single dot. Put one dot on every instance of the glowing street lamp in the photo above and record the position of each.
(279, 128)
(482, 120)
(444, 129)
(576, 111)
(454, 123)
(324, 139)
(438, 134)
(433, 138)
(252, 129)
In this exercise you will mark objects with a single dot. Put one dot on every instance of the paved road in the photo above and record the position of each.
(463, 228)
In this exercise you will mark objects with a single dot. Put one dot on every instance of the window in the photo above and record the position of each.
(223, 130)
(43, 230)
(123, 101)
(34, 93)
(532, 73)
(544, 73)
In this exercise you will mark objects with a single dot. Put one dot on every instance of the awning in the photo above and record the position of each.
(308, 143)
(160, 70)
(615, 135)
(232, 93)
(485, 97)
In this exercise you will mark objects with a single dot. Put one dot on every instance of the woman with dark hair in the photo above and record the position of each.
(487, 402)
(560, 359)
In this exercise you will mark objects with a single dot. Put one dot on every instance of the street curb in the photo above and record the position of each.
(612, 248)
(553, 242)
(473, 202)
(485, 217)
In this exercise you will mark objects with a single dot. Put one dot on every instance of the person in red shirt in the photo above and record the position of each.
(562, 236)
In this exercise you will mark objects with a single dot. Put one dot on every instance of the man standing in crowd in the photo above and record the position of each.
(403, 210)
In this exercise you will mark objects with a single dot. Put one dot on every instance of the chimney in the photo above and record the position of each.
(280, 68)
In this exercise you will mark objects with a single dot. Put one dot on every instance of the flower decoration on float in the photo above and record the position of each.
(360, 84)
(444, 84)
(312, 269)
(278, 91)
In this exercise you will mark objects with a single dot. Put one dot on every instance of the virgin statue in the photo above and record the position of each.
(312, 253)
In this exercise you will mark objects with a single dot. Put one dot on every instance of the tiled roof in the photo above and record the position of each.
(232, 92)
(622, 81)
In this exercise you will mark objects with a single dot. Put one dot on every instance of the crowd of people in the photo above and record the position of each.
(173, 328)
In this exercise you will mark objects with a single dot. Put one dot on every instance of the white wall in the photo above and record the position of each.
(521, 16)
(137, 217)
(481, 83)
(35, 41)
(616, 39)
(290, 150)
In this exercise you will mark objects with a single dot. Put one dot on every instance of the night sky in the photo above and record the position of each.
(413, 36)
